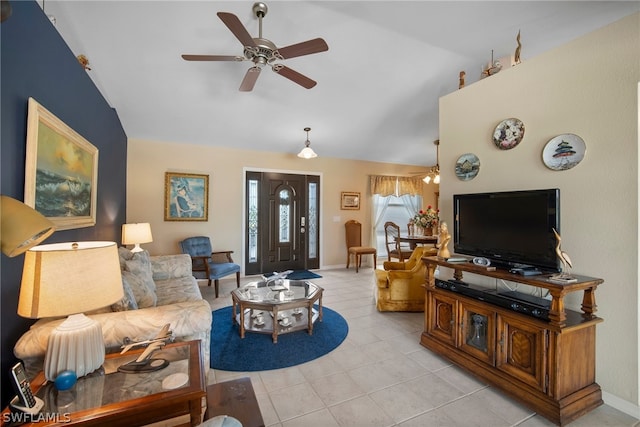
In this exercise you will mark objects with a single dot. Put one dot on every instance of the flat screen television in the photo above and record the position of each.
(510, 228)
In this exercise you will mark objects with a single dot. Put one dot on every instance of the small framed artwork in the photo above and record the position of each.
(61, 171)
(349, 200)
(186, 197)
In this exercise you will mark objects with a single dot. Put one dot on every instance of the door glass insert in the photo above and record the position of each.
(312, 220)
(253, 221)
(476, 331)
(284, 201)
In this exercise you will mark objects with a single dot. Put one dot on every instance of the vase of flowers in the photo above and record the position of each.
(425, 221)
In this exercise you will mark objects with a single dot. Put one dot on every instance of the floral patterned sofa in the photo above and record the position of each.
(157, 290)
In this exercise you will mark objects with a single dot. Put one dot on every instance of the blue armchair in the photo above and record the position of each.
(215, 265)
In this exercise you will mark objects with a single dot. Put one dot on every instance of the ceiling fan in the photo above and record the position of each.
(262, 51)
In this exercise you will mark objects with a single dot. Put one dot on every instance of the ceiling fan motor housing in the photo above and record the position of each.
(265, 52)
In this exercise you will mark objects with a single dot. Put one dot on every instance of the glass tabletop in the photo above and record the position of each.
(277, 291)
(107, 386)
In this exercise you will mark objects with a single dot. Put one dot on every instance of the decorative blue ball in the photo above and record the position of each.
(65, 380)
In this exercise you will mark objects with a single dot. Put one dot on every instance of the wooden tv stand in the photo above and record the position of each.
(548, 364)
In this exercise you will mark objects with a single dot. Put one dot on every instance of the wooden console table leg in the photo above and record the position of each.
(589, 306)
(557, 315)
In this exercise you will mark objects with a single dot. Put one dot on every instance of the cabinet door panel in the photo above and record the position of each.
(477, 331)
(521, 351)
(441, 322)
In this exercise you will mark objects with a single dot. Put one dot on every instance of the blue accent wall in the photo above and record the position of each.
(36, 62)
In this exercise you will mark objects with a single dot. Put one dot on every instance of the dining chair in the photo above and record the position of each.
(353, 235)
(215, 265)
(395, 248)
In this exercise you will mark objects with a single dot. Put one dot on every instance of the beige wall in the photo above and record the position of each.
(587, 87)
(149, 160)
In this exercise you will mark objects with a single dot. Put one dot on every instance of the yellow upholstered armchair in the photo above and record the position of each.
(410, 262)
(399, 285)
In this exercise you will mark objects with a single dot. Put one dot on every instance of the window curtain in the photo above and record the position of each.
(407, 189)
(396, 185)
(412, 205)
(383, 185)
(379, 207)
(409, 185)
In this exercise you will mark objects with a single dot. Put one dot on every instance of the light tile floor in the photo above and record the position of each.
(380, 375)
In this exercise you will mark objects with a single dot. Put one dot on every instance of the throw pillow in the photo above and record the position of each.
(128, 301)
(143, 294)
(124, 254)
(140, 265)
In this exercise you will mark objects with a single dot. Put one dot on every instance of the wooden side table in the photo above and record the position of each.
(107, 397)
(234, 398)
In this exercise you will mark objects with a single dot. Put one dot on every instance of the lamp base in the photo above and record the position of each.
(137, 248)
(76, 345)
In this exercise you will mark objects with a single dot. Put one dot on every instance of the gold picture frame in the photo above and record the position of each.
(186, 197)
(61, 171)
(349, 200)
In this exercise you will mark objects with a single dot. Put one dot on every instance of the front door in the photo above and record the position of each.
(282, 230)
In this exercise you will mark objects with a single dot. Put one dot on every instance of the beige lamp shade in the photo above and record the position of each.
(22, 227)
(68, 278)
(134, 234)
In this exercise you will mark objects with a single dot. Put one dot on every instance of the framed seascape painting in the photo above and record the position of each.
(186, 197)
(61, 171)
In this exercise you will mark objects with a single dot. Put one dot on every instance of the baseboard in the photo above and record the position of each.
(621, 405)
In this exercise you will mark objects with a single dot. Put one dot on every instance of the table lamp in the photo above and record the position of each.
(69, 279)
(22, 227)
(134, 234)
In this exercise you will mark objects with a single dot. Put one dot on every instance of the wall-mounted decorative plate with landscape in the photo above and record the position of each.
(467, 166)
(563, 152)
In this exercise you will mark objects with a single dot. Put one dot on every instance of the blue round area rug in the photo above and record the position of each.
(257, 352)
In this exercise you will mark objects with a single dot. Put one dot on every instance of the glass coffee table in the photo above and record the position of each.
(277, 307)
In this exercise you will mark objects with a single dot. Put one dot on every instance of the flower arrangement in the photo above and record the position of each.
(426, 218)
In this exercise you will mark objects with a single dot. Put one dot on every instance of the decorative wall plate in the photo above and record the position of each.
(467, 166)
(563, 152)
(508, 133)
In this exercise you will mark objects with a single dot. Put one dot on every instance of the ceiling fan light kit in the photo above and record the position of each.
(262, 51)
(307, 152)
(434, 172)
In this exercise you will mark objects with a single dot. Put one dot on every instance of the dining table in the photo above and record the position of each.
(415, 240)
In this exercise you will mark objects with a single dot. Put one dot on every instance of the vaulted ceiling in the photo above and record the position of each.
(377, 88)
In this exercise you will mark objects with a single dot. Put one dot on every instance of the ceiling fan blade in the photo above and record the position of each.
(212, 58)
(294, 76)
(249, 80)
(303, 48)
(233, 23)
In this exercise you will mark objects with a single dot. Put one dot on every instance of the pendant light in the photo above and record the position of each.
(307, 152)
(434, 172)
